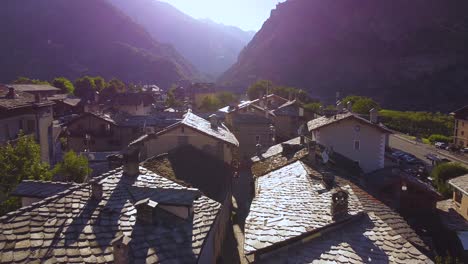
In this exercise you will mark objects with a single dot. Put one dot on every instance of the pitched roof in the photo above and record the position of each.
(65, 98)
(73, 227)
(461, 113)
(133, 99)
(40, 189)
(328, 120)
(290, 108)
(461, 183)
(34, 87)
(292, 207)
(221, 132)
(21, 100)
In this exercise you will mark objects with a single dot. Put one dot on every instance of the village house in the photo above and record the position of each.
(128, 215)
(20, 111)
(66, 104)
(453, 214)
(135, 104)
(305, 212)
(212, 137)
(354, 137)
(288, 118)
(96, 132)
(460, 134)
(43, 90)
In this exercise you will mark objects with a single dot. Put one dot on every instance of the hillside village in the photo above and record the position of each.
(263, 180)
(274, 131)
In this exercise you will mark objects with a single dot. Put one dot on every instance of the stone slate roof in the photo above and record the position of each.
(21, 100)
(133, 99)
(202, 125)
(65, 98)
(73, 227)
(461, 113)
(250, 119)
(461, 183)
(40, 189)
(34, 87)
(290, 108)
(293, 203)
(325, 121)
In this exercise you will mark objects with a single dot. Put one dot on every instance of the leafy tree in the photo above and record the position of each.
(313, 107)
(171, 100)
(19, 162)
(25, 80)
(210, 103)
(444, 172)
(226, 98)
(114, 87)
(361, 104)
(85, 87)
(259, 88)
(64, 84)
(73, 168)
(100, 83)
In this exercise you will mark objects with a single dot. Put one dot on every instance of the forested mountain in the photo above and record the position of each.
(211, 47)
(48, 38)
(406, 54)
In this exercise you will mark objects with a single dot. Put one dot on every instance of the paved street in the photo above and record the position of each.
(420, 150)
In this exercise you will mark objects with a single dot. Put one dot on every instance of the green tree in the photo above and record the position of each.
(361, 104)
(73, 168)
(444, 172)
(114, 87)
(210, 103)
(100, 83)
(64, 84)
(226, 98)
(171, 100)
(85, 87)
(18, 162)
(25, 80)
(259, 88)
(313, 107)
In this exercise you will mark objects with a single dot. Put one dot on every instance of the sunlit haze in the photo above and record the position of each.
(245, 14)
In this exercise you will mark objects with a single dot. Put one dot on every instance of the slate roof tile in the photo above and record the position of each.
(71, 227)
(461, 183)
(328, 120)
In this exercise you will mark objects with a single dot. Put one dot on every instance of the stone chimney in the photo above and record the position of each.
(96, 191)
(120, 249)
(145, 209)
(37, 98)
(339, 107)
(339, 203)
(131, 161)
(374, 115)
(214, 121)
(11, 93)
(258, 148)
(328, 180)
(349, 106)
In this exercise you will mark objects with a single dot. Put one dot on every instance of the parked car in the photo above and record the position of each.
(441, 145)
(465, 150)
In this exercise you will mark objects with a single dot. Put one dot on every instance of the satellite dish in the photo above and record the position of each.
(325, 157)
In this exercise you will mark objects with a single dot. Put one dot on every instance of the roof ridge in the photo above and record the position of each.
(53, 182)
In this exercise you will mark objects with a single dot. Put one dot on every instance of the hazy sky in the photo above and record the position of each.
(246, 14)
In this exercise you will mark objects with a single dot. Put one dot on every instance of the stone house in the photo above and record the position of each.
(97, 132)
(324, 216)
(288, 118)
(66, 104)
(42, 90)
(460, 134)
(134, 104)
(354, 137)
(211, 136)
(20, 111)
(128, 215)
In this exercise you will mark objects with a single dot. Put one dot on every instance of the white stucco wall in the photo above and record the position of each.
(342, 135)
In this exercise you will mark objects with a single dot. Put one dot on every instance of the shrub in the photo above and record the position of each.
(444, 172)
(439, 138)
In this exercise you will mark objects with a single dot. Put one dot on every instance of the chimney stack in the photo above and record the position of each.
(11, 93)
(121, 248)
(339, 203)
(37, 98)
(258, 147)
(312, 154)
(131, 161)
(349, 106)
(214, 121)
(96, 190)
(374, 115)
(145, 209)
(339, 107)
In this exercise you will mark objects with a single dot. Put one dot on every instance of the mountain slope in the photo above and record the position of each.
(49, 38)
(407, 54)
(211, 47)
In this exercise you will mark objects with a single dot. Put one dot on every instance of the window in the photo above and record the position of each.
(463, 133)
(20, 124)
(7, 131)
(357, 144)
(30, 126)
(458, 196)
(257, 139)
(182, 129)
